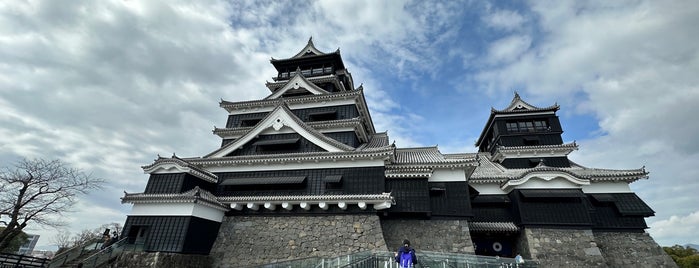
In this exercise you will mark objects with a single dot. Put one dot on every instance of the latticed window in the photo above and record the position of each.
(527, 126)
(540, 125)
(512, 127)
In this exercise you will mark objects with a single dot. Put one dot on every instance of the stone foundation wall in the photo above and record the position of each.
(561, 247)
(430, 235)
(161, 260)
(632, 250)
(253, 240)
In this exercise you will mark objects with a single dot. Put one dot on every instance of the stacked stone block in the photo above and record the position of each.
(561, 247)
(632, 250)
(268, 239)
(451, 236)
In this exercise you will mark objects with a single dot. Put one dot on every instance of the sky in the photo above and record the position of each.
(107, 86)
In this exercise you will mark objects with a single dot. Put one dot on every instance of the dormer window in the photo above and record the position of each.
(278, 145)
(249, 122)
(531, 141)
(322, 116)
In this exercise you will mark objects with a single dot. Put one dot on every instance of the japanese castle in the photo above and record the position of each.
(303, 173)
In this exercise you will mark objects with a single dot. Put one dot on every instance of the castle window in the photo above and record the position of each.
(264, 181)
(529, 141)
(527, 126)
(249, 122)
(512, 127)
(540, 125)
(322, 116)
(277, 145)
(333, 182)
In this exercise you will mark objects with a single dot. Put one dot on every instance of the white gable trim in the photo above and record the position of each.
(172, 168)
(166, 168)
(277, 120)
(310, 47)
(298, 81)
(545, 180)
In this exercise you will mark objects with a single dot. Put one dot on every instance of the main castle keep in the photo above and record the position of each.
(303, 172)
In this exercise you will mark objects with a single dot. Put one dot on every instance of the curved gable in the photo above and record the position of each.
(545, 180)
(298, 82)
(279, 118)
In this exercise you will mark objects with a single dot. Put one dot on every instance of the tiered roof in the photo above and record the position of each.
(420, 162)
(517, 106)
(357, 96)
(310, 53)
(176, 164)
(502, 152)
(492, 172)
(195, 195)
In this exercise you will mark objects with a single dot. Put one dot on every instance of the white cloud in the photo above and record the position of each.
(508, 49)
(504, 19)
(107, 85)
(676, 229)
(631, 65)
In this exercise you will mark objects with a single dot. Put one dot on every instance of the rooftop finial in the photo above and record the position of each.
(310, 40)
(516, 95)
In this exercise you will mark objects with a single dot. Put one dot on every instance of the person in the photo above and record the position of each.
(405, 256)
(105, 240)
(519, 260)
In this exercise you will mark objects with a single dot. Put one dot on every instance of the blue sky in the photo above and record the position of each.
(106, 86)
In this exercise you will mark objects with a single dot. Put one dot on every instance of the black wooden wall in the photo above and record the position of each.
(341, 111)
(362, 180)
(175, 183)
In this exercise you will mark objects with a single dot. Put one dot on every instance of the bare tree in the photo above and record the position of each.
(87, 235)
(38, 191)
(62, 240)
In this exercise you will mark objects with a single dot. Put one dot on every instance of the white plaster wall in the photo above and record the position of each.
(177, 209)
(447, 175)
(607, 187)
(485, 189)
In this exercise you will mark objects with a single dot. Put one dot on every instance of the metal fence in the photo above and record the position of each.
(426, 259)
(8, 260)
(75, 252)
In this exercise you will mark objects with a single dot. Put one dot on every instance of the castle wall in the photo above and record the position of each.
(160, 260)
(632, 250)
(561, 247)
(430, 235)
(249, 240)
(585, 248)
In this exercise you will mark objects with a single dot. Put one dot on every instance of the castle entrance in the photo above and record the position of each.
(494, 239)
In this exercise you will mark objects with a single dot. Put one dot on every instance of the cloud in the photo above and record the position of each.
(504, 19)
(107, 85)
(675, 229)
(508, 49)
(631, 65)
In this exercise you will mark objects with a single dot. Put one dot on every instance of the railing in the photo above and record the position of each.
(108, 253)
(8, 260)
(386, 260)
(74, 252)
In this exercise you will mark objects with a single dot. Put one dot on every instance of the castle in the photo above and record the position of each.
(303, 172)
